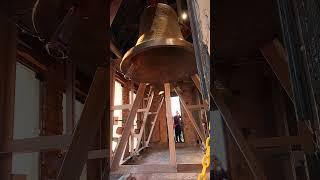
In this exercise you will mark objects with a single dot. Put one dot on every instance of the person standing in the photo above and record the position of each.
(177, 127)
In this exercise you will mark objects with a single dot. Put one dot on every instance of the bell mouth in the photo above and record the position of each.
(159, 61)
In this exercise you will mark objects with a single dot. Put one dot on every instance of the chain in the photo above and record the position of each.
(205, 161)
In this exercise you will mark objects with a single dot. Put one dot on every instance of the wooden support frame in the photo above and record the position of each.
(154, 123)
(145, 116)
(110, 134)
(193, 121)
(131, 140)
(87, 127)
(8, 48)
(127, 127)
(70, 98)
(305, 141)
(276, 56)
(196, 107)
(243, 145)
(172, 146)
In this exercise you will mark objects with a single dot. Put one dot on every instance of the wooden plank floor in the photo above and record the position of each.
(160, 155)
(153, 164)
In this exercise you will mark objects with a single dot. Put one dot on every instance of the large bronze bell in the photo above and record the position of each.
(161, 54)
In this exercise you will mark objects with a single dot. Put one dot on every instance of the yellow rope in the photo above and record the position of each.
(205, 161)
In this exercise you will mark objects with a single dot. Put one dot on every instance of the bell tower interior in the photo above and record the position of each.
(159, 89)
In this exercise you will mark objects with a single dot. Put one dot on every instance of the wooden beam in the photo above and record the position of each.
(115, 50)
(48, 143)
(114, 6)
(19, 177)
(154, 123)
(87, 127)
(144, 120)
(110, 134)
(275, 55)
(41, 143)
(196, 107)
(253, 163)
(274, 142)
(132, 155)
(127, 127)
(244, 147)
(29, 61)
(8, 47)
(132, 129)
(98, 154)
(126, 106)
(172, 145)
(70, 98)
(196, 80)
(193, 121)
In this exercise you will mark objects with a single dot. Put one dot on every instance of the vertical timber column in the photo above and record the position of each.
(70, 97)
(110, 133)
(172, 146)
(7, 90)
(132, 129)
(52, 122)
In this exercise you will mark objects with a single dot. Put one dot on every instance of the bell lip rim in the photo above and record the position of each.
(151, 44)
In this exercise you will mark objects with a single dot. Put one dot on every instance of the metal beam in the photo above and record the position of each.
(127, 127)
(87, 127)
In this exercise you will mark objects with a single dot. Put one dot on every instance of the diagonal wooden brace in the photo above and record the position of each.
(127, 127)
(145, 115)
(87, 127)
(242, 144)
(154, 122)
(193, 121)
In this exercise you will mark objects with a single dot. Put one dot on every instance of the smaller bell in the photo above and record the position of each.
(161, 54)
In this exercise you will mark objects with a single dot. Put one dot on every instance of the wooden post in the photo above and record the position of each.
(109, 133)
(87, 127)
(70, 97)
(132, 129)
(193, 121)
(127, 127)
(145, 115)
(7, 89)
(154, 122)
(172, 145)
